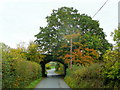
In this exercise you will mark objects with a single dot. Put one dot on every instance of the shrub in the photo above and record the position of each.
(111, 69)
(16, 71)
(84, 76)
(48, 66)
(59, 68)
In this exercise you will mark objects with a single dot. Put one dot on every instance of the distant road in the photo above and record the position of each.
(52, 81)
(51, 72)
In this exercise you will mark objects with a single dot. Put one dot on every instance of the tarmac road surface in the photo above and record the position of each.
(52, 80)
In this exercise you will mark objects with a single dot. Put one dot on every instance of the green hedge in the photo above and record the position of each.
(84, 77)
(105, 75)
(18, 72)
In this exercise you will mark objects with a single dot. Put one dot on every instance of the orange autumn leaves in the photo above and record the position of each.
(82, 56)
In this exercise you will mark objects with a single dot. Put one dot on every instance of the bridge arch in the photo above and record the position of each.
(48, 59)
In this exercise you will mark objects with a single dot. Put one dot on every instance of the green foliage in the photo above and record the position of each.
(96, 42)
(48, 66)
(59, 68)
(84, 77)
(111, 69)
(117, 35)
(116, 38)
(34, 83)
(33, 53)
(52, 64)
(67, 21)
(17, 72)
(105, 75)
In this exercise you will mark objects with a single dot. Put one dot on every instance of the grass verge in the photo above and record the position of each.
(52, 67)
(59, 72)
(34, 83)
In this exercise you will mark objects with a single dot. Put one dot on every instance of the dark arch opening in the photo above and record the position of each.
(48, 59)
(58, 69)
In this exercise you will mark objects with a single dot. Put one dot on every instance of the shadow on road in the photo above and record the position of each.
(59, 76)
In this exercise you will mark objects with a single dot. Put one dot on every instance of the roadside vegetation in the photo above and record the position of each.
(75, 39)
(34, 83)
(18, 67)
(103, 74)
(84, 76)
(81, 43)
(59, 68)
(50, 65)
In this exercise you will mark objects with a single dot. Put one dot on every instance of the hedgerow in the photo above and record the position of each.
(84, 76)
(17, 72)
(96, 75)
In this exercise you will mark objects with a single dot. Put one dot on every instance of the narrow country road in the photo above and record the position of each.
(52, 81)
(51, 72)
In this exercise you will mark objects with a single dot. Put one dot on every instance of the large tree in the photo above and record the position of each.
(66, 21)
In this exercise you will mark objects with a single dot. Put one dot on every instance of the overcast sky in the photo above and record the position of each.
(20, 19)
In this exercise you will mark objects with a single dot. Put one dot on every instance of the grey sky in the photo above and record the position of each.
(119, 13)
(20, 19)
